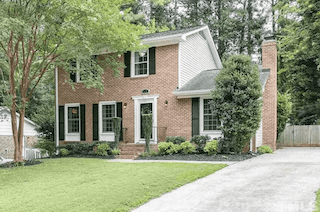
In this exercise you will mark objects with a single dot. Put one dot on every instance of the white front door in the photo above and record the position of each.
(146, 102)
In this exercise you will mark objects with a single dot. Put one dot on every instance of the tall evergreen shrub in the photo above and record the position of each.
(237, 102)
(117, 129)
(147, 128)
(284, 109)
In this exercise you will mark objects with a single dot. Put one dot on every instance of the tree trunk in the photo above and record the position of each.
(249, 40)
(242, 32)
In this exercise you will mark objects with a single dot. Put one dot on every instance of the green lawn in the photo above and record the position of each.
(82, 184)
(318, 202)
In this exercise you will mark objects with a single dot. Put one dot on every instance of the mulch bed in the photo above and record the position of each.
(202, 157)
(85, 156)
(26, 163)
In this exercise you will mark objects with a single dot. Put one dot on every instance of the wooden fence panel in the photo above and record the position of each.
(304, 135)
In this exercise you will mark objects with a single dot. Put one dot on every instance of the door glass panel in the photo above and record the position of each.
(144, 107)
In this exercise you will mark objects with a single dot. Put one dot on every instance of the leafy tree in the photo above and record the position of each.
(299, 50)
(38, 35)
(236, 102)
(284, 107)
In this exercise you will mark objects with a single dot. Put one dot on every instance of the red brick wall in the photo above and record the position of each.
(269, 109)
(176, 116)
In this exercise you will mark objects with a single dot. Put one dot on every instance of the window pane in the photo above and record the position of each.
(210, 122)
(107, 125)
(141, 69)
(141, 57)
(108, 111)
(73, 112)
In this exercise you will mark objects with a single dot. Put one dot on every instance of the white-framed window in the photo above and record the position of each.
(79, 67)
(74, 119)
(210, 122)
(107, 110)
(140, 63)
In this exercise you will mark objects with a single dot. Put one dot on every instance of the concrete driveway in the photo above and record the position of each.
(284, 181)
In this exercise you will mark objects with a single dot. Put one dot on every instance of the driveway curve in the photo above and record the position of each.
(284, 181)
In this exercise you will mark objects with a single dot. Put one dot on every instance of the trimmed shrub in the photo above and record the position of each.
(264, 149)
(78, 148)
(115, 152)
(211, 147)
(176, 139)
(64, 152)
(200, 141)
(46, 146)
(167, 148)
(144, 154)
(153, 153)
(103, 149)
(147, 128)
(187, 148)
(117, 129)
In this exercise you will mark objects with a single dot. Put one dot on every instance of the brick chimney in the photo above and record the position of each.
(269, 109)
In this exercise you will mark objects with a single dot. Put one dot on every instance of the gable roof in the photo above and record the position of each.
(2, 108)
(171, 32)
(177, 36)
(203, 83)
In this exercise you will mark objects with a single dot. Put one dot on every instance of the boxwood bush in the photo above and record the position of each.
(211, 147)
(187, 148)
(103, 149)
(200, 141)
(264, 149)
(176, 139)
(64, 152)
(168, 148)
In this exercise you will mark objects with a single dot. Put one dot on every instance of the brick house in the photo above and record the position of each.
(173, 78)
(30, 137)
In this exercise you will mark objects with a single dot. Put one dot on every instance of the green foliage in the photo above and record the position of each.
(64, 152)
(236, 101)
(147, 129)
(115, 152)
(299, 59)
(264, 149)
(46, 146)
(187, 148)
(78, 148)
(211, 147)
(153, 153)
(144, 154)
(103, 149)
(284, 108)
(168, 148)
(117, 129)
(176, 139)
(201, 141)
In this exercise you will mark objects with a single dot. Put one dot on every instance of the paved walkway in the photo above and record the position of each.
(285, 181)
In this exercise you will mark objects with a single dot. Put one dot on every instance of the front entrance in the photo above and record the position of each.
(141, 104)
(143, 108)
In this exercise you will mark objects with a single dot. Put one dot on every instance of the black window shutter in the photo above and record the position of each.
(73, 75)
(195, 116)
(152, 60)
(83, 122)
(127, 59)
(119, 114)
(61, 122)
(95, 121)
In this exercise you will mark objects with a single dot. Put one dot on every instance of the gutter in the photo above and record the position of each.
(190, 94)
(57, 108)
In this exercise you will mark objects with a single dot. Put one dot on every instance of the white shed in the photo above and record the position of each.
(30, 136)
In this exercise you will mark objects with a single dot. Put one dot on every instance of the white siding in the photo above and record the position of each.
(195, 56)
(259, 135)
(6, 129)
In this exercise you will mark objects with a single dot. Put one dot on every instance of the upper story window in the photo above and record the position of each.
(141, 63)
(108, 112)
(82, 69)
(210, 122)
(73, 119)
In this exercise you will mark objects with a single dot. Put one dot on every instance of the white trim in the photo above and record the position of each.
(179, 65)
(132, 64)
(18, 115)
(211, 133)
(57, 109)
(213, 48)
(138, 100)
(191, 94)
(71, 136)
(106, 136)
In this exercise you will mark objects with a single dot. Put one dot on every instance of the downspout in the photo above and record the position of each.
(57, 109)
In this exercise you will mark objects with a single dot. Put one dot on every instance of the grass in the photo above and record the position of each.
(88, 184)
(318, 202)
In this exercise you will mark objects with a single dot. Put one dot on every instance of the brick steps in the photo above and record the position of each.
(132, 151)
